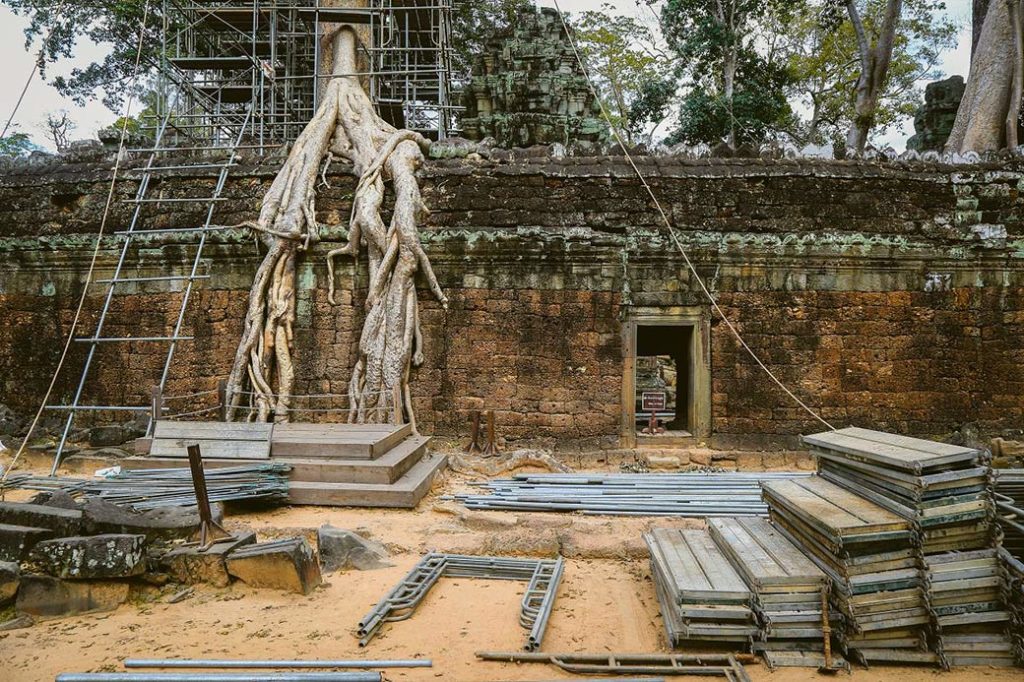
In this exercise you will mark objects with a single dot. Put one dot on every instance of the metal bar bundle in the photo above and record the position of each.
(193, 663)
(151, 489)
(220, 677)
(945, 492)
(542, 576)
(702, 597)
(1009, 500)
(694, 495)
(724, 665)
(1010, 482)
(1014, 568)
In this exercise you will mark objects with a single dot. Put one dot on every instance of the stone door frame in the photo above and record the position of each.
(699, 393)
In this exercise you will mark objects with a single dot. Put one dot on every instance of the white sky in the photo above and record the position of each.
(41, 98)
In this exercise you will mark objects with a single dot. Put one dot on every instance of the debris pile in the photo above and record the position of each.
(703, 599)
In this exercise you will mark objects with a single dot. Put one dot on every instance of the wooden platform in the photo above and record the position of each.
(900, 452)
(365, 465)
(834, 511)
(695, 567)
(766, 559)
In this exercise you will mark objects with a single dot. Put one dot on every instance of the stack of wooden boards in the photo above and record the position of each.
(868, 554)
(359, 465)
(703, 599)
(942, 489)
(931, 506)
(788, 590)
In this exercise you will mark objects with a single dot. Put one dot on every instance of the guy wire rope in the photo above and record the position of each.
(95, 253)
(672, 230)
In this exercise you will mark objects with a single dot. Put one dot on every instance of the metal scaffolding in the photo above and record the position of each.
(223, 59)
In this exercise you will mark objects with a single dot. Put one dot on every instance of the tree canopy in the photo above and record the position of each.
(55, 29)
(16, 145)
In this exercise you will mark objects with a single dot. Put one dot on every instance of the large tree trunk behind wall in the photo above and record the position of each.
(981, 121)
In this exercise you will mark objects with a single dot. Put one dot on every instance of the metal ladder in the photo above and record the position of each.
(140, 202)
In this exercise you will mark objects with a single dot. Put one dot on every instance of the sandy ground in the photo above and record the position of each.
(606, 604)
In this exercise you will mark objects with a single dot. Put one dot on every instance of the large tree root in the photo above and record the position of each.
(344, 126)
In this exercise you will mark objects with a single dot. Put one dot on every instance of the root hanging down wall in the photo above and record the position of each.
(345, 126)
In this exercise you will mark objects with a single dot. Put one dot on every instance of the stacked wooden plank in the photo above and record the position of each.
(788, 589)
(360, 465)
(967, 597)
(944, 491)
(703, 599)
(868, 554)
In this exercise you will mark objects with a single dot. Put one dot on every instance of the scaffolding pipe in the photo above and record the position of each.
(257, 664)
(219, 677)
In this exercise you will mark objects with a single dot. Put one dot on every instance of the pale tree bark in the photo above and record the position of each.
(979, 8)
(992, 96)
(345, 126)
(874, 70)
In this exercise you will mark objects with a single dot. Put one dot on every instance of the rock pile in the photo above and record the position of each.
(62, 557)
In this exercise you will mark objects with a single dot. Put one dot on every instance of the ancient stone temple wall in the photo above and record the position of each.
(888, 296)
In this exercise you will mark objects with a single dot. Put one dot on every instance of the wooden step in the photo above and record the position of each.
(384, 470)
(355, 441)
(405, 493)
(305, 441)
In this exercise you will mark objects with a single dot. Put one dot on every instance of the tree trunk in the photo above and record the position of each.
(981, 121)
(978, 12)
(344, 126)
(729, 89)
(875, 60)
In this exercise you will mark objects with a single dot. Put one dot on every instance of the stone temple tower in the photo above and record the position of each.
(528, 88)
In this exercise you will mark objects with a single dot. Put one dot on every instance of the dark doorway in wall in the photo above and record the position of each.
(664, 364)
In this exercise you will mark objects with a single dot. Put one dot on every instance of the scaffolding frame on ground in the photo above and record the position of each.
(226, 57)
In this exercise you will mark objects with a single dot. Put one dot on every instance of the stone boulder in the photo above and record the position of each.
(342, 549)
(45, 596)
(10, 578)
(282, 565)
(190, 566)
(10, 422)
(92, 557)
(16, 541)
(63, 522)
(101, 516)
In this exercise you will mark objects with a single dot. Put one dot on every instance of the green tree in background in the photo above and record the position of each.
(734, 91)
(822, 54)
(56, 29)
(474, 23)
(624, 60)
(16, 145)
